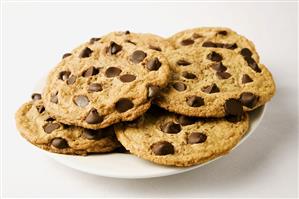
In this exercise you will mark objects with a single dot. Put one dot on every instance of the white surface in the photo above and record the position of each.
(35, 37)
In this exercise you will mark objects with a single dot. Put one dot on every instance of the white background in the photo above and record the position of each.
(36, 36)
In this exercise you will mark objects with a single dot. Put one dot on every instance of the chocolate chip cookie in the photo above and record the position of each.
(169, 139)
(43, 131)
(213, 37)
(214, 81)
(107, 80)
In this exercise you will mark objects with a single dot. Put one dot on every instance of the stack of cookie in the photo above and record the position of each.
(178, 101)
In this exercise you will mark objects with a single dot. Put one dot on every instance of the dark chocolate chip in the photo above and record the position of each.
(50, 119)
(245, 52)
(196, 36)
(71, 80)
(153, 91)
(127, 78)
(222, 32)
(98, 134)
(195, 101)
(54, 98)
(233, 107)
(112, 72)
(114, 48)
(153, 64)
(93, 117)
(162, 148)
(211, 89)
(123, 104)
(179, 86)
(66, 55)
(156, 48)
(248, 99)
(59, 143)
(213, 56)
(138, 56)
(86, 52)
(49, 127)
(64, 75)
(94, 39)
(81, 100)
(187, 42)
(230, 46)
(223, 75)
(182, 62)
(233, 118)
(40, 108)
(252, 64)
(188, 75)
(94, 87)
(209, 44)
(185, 120)
(90, 71)
(219, 67)
(246, 79)
(36, 96)
(196, 138)
(127, 32)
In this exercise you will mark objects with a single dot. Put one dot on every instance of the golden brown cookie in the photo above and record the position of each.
(169, 139)
(43, 131)
(107, 80)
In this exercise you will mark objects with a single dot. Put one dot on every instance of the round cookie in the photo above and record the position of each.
(43, 131)
(213, 37)
(169, 139)
(107, 80)
(214, 82)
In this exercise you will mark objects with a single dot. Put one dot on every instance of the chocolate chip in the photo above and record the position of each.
(123, 104)
(222, 32)
(138, 56)
(230, 46)
(188, 75)
(94, 87)
(182, 62)
(245, 52)
(36, 96)
(86, 52)
(223, 75)
(233, 107)
(153, 64)
(54, 98)
(213, 56)
(71, 80)
(50, 119)
(162, 148)
(196, 36)
(112, 72)
(209, 44)
(185, 120)
(66, 55)
(252, 64)
(127, 32)
(219, 67)
(187, 42)
(49, 127)
(246, 79)
(153, 91)
(93, 117)
(157, 48)
(98, 134)
(211, 89)
(59, 143)
(94, 39)
(114, 48)
(90, 71)
(233, 118)
(40, 108)
(81, 100)
(196, 138)
(195, 101)
(64, 75)
(129, 41)
(248, 99)
(179, 86)
(127, 78)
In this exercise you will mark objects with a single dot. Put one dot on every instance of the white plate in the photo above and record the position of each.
(120, 165)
